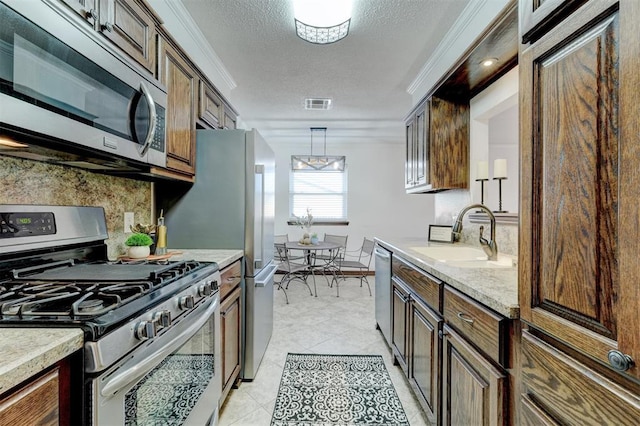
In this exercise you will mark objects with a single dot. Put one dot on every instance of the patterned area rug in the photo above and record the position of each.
(336, 390)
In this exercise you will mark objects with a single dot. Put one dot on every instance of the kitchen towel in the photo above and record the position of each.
(336, 389)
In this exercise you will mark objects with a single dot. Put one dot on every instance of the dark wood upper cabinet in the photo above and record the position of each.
(499, 41)
(539, 16)
(179, 76)
(437, 130)
(132, 28)
(437, 144)
(579, 229)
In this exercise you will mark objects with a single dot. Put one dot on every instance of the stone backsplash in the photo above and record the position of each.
(33, 182)
(447, 206)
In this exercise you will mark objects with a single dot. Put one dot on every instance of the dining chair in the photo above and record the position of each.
(291, 269)
(281, 239)
(325, 260)
(358, 261)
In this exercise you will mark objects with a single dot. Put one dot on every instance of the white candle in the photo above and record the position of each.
(500, 168)
(483, 170)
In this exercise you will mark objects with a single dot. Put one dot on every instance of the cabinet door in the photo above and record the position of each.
(37, 403)
(400, 317)
(448, 144)
(210, 107)
(426, 355)
(230, 119)
(411, 154)
(558, 387)
(579, 219)
(88, 9)
(180, 79)
(421, 160)
(131, 28)
(538, 16)
(230, 328)
(474, 391)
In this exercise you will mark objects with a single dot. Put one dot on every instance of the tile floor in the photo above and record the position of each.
(326, 324)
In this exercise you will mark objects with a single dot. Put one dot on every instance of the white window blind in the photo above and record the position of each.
(324, 192)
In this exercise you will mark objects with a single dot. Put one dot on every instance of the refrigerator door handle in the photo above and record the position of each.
(270, 272)
(259, 176)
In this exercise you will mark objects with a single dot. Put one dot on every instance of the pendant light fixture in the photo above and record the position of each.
(322, 21)
(318, 162)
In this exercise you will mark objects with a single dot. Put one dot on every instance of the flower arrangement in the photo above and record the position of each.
(305, 222)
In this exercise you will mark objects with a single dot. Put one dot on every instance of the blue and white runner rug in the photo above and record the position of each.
(336, 390)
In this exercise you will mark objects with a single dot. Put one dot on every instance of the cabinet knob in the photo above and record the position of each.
(107, 26)
(441, 334)
(620, 361)
(91, 14)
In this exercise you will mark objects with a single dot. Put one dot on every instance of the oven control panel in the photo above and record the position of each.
(16, 224)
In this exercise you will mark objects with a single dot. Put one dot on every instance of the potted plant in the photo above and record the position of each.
(139, 244)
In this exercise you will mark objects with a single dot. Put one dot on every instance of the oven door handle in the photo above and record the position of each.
(140, 368)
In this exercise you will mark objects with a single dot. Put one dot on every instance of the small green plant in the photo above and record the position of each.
(138, 239)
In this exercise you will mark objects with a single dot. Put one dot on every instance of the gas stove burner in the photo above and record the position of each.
(90, 305)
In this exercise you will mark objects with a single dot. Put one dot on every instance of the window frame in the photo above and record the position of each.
(319, 220)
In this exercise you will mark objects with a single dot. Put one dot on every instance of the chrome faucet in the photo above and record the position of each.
(489, 246)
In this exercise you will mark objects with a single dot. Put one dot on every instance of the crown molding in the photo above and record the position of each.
(468, 15)
(207, 58)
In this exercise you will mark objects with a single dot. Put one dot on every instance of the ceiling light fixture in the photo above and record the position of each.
(322, 21)
(318, 162)
(489, 61)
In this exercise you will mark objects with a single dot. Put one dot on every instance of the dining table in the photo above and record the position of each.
(310, 259)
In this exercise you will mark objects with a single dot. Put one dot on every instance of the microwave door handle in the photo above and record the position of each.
(152, 120)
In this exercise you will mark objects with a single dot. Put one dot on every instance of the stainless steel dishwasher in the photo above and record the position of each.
(383, 291)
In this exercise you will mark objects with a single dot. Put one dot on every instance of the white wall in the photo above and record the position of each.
(493, 135)
(377, 203)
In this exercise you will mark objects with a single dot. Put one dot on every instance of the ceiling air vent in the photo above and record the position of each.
(317, 103)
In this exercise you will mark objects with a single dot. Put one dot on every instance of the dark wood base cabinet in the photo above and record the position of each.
(230, 326)
(579, 234)
(560, 389)
(426, 353)
(474, 390)
(50, 398)
(400, 318)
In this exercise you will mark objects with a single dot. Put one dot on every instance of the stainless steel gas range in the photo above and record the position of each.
(152, 331)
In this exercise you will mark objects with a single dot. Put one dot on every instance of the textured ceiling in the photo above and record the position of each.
(366, 74)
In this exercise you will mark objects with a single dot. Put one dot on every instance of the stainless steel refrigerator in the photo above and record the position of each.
(231, 206)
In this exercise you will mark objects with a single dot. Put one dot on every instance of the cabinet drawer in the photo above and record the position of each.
(35, 403)
(481, 326)
(570, 392)
(427, 287)
(231, 277)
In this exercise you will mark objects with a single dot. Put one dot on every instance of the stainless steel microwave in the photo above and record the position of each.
(65, 90)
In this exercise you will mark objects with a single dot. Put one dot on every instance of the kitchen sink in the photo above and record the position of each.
(463, 257)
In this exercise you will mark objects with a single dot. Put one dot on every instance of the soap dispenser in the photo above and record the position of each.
(161, 247)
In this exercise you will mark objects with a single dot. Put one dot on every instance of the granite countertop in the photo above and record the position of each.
(496, 288)
(222, 257)
(25, 352)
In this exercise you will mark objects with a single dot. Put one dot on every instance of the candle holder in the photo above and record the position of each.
(499, 179)
(482, 181)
